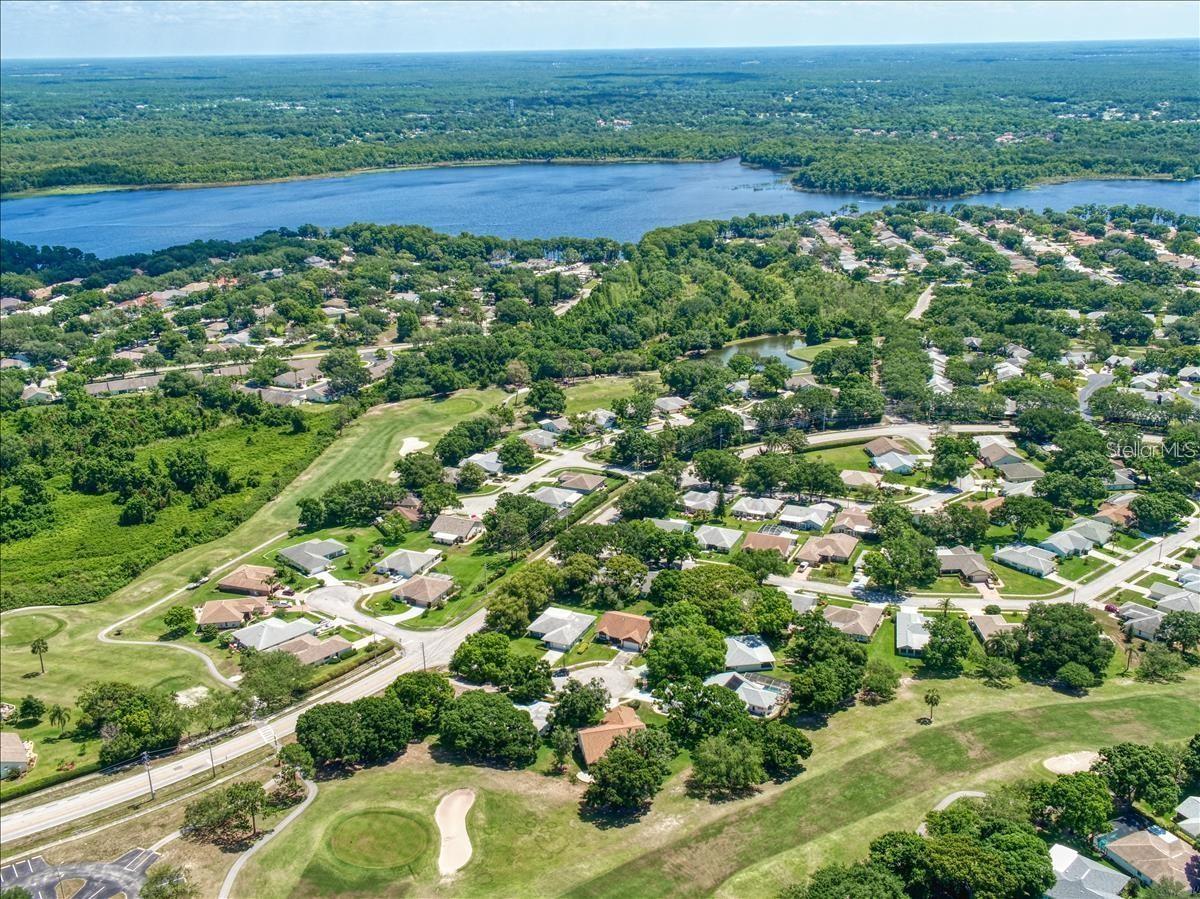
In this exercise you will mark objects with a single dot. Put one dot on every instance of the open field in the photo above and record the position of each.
(873, 769)
(600, 393)
(366, 448)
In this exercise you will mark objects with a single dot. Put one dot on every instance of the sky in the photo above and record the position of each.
(113, 28)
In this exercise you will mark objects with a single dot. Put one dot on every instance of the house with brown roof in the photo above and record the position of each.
(624, 630)
(965, 563)
(230, 613)
(781, 543)
(425, 590)
(250, 580)
(830, 548)
(14, 754)
(1117, 516)
(853, 521)
(857, 622)
(451, 529)
(988, 626)
(580, 481)
(312, 651)
(617, 722)
(993, 454)
(1156, 857)
(881, 446)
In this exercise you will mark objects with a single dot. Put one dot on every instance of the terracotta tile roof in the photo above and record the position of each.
(595, 741)
(229, 611)
(309, 650)
(624, 626)
(248, 579)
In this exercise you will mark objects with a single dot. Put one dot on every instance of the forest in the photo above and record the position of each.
(898, 121)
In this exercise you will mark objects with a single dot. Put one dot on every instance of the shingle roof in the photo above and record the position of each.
(617, 722)
(778, 542)
(857, 621)
(560, 626)
(747, 649)
(270, 633)
(624, 626)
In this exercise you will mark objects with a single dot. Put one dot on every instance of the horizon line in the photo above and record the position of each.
(1120, 41)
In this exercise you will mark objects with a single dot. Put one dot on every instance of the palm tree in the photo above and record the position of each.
(39, 648)
(59, 717)
(932, 699)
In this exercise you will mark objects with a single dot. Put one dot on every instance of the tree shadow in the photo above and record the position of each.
(925, 721)
(718, 796)
(610, 818)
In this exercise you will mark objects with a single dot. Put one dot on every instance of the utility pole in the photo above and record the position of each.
(423, 655)
(212, 760)
(146, 763)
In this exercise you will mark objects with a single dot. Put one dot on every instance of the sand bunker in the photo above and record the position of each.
(412, 445)
(451, 817)
(1071, 762)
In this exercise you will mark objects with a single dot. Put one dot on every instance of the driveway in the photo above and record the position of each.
(1095, 381)
(124, 876)
(617, 680)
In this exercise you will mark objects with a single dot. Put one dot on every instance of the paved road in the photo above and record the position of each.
(575, 457)
(1094, 382)
(102, 880)
(923, 302)
(439, 646)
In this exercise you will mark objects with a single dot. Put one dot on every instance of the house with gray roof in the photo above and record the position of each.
(272, 632)
(757, 507)
(451, 529)
(748, 652)
(895, 463)
(312, 556)
(1098, 532)
(806, 518)
(1019, 472)
(1078, 877)
(539, 440)
(672, 525)
(717, 539)
(1066, 544)
(965, 563)
(407, 562)
(560, 499)
(1030, 559)
(560, 629)
(912, 632)
(763, 699)
(695, 501)
(489, 462)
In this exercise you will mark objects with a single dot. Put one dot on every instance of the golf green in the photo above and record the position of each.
(378, 838)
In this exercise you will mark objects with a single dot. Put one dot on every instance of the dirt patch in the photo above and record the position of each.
(1071, 762)
(451, 817)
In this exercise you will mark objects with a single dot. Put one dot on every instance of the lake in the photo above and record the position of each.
(773, 345)
(618, 200)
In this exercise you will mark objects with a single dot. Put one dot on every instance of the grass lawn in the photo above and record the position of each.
(947, 585)
(1153, 578)
(588, 650)
(850, 457)
(601, 393)
(691, 847)
(1018, 583)
(1075, 569)
(1128, 541)
(366, 448)
(883, 648)
(809, 353)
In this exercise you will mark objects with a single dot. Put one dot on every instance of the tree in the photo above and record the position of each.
(724, 765)
(759, 563)
(296, 756)
(905, 560)
(516, 454)
(247, 799)
(719, 467)
(31, 708)
(546, 397)
(618, 581)
(1160, 663)
(629, 775)
(59, 716)
(482, 658)
(879, 683)
(330, 732)
(39, 648)
(861, 881)
(829, 665)
(1023, 513)
(1080, 803)
(651, 497)
(527, 678)
(933, 699)
(471, 477)
(179, 620)
(425, 694)
(272, 679)
(1075, 677)
(949, 644)
(952, 459)
(163, 881)
(1180, 629)
(488, 726)
(772, 613)
(579, 705)
(1054, 634)
(345, 370)
(1134, 771)
(696, 710)
(784, 748)
(998, 670)
(1159, 512)
(678, 652)
(562, 743)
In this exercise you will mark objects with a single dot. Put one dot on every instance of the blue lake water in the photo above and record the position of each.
(618, 200)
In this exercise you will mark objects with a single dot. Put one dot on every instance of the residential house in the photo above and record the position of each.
(1115, 361)
(1139, 620)
(425, 590)
(539, 714)
(1098, 532)
(1187, 815)
(580, 481)
(560, 629)
(38, 394)
(748, 652)
(881, 446)
(988, 626)
(669, 405)
(1156, 856)
(556, 497)
(854, 522)
(270, 633)
(312, 556)
(539, 440)
(852, 478)
(602, 418)
(1118, 516)
(806, 518)
(757, 507)
(1189, 373)
(624, 630)
(1078, 877)
(859, 622)
(994, 454)
(1030, 559)
(672, 525)
(489, 462)
(250, 580)
(1006, 371)
(311, 650)
(451, 529)
(912, 632)
(1019, 472)
(763, 697)
(895, 463)
(558, 425)
(717, 539)
(781, 543)
(225, 614)
(14, 755)
(617, 722)
(830, 548)
(965, 563)
(1066, 544)
(407, 562)
(1121, 479)
(697, 501)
